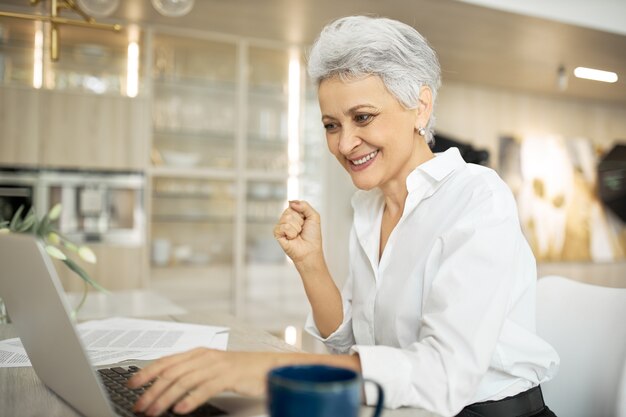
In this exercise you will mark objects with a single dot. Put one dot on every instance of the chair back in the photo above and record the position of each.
(586, 324)
(621, 394)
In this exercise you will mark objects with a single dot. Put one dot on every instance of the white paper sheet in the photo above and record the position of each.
(118, 339)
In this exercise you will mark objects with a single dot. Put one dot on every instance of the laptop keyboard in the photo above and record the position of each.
(123, 398)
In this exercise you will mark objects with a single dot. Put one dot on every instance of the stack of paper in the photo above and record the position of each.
(118, 339)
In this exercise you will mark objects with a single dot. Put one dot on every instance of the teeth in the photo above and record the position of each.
(365, 158)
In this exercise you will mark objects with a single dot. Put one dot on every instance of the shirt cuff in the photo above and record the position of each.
(390, 368)
(340, 341)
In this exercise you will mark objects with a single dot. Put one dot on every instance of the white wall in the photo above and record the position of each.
(480, 115)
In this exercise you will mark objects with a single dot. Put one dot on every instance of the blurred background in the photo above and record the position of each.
(174, 143)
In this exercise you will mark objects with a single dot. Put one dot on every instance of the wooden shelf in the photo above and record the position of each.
(206, 173)
(189, 218)
(260, 141)
(182, 195)
(207, 135)
(256, 175)
(196, 84)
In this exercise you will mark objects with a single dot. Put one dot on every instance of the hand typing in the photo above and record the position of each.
(187, 380)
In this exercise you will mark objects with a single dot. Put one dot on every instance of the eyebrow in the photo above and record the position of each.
(352, 110)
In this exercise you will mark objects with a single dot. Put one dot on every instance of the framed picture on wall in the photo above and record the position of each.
(555, 182)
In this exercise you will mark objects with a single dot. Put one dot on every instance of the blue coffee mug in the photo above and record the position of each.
(316, 391)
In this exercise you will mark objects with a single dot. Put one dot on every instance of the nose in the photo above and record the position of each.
(348, 140)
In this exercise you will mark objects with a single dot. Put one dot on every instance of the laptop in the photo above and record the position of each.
(38, 309)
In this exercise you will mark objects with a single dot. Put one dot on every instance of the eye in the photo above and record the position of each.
(363, 118)
(330, 126)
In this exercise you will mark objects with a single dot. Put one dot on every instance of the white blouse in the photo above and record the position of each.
(447, 317)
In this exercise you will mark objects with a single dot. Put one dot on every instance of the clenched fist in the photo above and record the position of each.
(299, 233)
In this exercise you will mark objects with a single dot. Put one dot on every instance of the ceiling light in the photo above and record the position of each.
(595, 74)
(561, 78)
(98, 8)
(173, 8)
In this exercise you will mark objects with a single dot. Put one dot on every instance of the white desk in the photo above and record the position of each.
(23, 394)
(129, 303)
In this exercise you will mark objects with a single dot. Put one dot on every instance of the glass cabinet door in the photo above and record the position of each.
(194, 196)
(17, 51)
(92, 61)
(192, 229)
(266, 151)
(268, 81)
(197, 213)
(195, 103)
(270, 279)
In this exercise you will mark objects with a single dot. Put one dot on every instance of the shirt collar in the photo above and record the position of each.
(435, 169)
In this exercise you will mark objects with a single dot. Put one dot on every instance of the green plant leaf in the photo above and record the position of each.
(16, 220)
(43, 228)
(87, 255)
(68, 244)
(55, 253)
(53, 238)
(29, 221)
(55, 212)
(81, 273)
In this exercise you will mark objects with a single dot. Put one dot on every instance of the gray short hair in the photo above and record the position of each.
(357, 46)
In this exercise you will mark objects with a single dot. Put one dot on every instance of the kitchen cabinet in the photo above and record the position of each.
(59, 129)
(88, 131)
(194, 172)
(194, 103)
(17, 45)
(74, 113)
(19, 102)
(19, 122)
(266, 171)
(220, 170)
(94, 62)
(117, 268)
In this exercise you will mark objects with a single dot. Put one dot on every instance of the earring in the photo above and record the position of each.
(421, 131)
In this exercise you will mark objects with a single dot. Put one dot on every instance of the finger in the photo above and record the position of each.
(290, 231)
(168, 387)
(198, 396)
(287, 230)
(295, 217)
(163, 400)
(304, 208)
(151, 371)
(277, 233)
(290, 213)
(152, 395)
(204, 389)
(186, 386)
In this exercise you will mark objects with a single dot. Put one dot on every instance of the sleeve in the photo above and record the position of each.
(342, 339)
(472, 268)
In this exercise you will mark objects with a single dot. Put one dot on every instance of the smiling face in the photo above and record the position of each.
(370, 133)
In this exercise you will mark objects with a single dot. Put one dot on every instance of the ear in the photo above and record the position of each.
(424, 107)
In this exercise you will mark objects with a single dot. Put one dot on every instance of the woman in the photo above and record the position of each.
(439, 303)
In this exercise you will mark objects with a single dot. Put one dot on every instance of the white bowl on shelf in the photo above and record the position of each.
(180, 159)
(199, 258)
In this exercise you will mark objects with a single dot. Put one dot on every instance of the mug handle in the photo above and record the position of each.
(381, 397)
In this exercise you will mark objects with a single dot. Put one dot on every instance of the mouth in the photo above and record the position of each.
(363, 162)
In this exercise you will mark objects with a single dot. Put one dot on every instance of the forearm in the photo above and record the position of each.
(323, 295)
